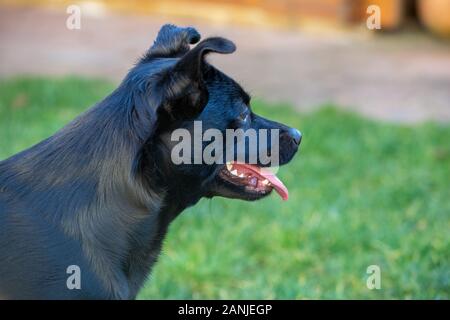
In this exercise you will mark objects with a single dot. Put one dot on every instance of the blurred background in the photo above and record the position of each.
(371, 183)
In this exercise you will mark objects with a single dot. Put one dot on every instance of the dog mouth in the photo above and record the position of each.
(257, 181)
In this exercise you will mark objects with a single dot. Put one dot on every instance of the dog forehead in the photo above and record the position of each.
(218, 80)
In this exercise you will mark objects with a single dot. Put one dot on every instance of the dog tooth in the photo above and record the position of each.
(234, 172)
(265, 182)
(229, 166)
(241, 175)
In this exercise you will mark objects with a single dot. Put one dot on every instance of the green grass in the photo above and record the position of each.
(361, 193)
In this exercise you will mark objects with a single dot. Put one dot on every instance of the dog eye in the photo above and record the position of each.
(243, 116)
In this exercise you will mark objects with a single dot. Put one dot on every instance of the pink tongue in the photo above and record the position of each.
(280, 188)
(277, 184)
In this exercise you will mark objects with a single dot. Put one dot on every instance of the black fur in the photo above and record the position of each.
(101, 192)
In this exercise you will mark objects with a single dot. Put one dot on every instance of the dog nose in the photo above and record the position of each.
(295, 135)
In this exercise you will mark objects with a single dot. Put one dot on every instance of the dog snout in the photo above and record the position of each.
(295, 135)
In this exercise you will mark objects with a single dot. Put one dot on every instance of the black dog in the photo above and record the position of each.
(96, 198)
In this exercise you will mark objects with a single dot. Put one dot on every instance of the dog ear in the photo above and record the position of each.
(185, 93)
(192, 63)
(172, 41)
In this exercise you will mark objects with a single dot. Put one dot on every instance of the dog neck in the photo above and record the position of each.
(81, 180)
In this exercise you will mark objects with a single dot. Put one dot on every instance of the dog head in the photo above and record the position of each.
(206, 140)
